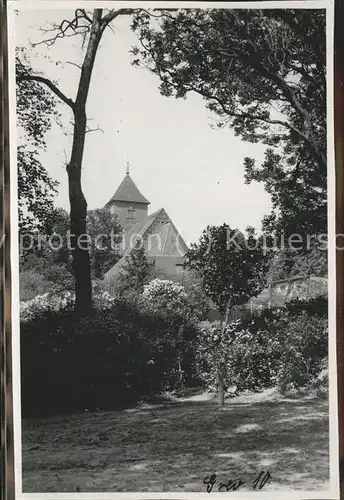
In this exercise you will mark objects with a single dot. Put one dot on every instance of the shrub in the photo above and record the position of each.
(34, 309)
(59, 302)
(317, 306)
(245, 354)
(166, 297)
(163, 294)
(303, 343)
(320, 383)
(264, 350)
(112, 358)
(33, 284)
(56, 278)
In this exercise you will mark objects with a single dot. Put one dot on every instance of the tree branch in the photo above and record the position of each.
(163, 13)
(113, 14)
(85, 15)
(97, 129)
(73, 64)
(50, 41)
(287, 125)
(50, 85)
(61, 30)
(294, 101)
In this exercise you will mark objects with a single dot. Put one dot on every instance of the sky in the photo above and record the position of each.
(176, 159)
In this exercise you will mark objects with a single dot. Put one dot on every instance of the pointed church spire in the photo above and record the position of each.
(128, 192)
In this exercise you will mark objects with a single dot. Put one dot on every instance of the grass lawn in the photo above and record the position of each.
(173, 446)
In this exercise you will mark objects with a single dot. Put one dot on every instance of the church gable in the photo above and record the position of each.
(163, 244)
(163, 238)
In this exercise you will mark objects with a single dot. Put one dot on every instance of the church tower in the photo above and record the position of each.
(128, 203)
(164, 246)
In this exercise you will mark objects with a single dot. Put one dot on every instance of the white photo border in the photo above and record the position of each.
(333, 492)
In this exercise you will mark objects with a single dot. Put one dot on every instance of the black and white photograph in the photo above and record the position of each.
(173, 278)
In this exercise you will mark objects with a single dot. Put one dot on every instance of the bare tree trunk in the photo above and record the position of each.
(78, 213)
(78, 204)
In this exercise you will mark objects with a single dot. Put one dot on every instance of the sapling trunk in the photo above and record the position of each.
(221, 388)
(221, 391)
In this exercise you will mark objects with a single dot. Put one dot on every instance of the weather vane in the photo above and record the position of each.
(127, 167)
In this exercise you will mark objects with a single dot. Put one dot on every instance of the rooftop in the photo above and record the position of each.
(127, 191)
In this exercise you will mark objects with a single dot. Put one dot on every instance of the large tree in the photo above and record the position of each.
(90, 26)
(263, 73)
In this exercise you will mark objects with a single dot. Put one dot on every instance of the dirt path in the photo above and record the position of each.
(172, 447)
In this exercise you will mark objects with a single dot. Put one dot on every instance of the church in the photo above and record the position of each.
(164, 246)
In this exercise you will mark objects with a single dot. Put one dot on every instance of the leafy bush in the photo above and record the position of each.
(317, 306)
(162, 294)
(304, 345)
(59, 302)
(320, 383)
(111, 358)
(166, 297)
(265, 350)
(33, 284)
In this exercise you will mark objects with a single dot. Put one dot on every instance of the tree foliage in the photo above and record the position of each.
(287, 263)
(201, 304)
(49, 249)
(48, 261)
(232, 265)
(263, 73)
(135, 272)
(52, 258)
(36, 112)
(104, 231)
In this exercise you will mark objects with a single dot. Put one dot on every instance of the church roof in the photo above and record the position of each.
(127, 191)
(140, 229)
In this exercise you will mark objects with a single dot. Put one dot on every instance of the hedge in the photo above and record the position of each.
(110, 359)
